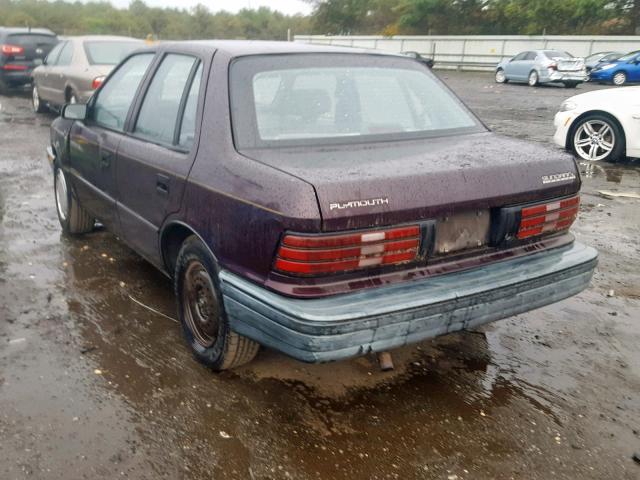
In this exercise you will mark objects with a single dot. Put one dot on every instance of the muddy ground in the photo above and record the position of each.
(93, 385)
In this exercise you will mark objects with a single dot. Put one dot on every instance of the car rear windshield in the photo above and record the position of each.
(108, 53)
(31, 39)
(557, 54)
(304, 99)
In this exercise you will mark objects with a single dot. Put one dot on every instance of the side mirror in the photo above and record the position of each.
(74, 111)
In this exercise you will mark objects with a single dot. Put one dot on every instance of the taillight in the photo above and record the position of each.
(553, 66)
(11, 50)
(97, 82)
(311, 255)
(548, 217)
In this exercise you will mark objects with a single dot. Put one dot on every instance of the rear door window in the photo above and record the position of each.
(531, 56)
(159, 111)
(188, 123)
(66, 54)
(114, 100)
(520, 56)
(52, 58)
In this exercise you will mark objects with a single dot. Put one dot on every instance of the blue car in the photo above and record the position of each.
(619, 72)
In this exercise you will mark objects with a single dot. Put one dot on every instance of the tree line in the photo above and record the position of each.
(345, 17)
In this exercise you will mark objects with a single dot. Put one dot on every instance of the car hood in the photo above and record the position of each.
(608, 96)
(361, 186)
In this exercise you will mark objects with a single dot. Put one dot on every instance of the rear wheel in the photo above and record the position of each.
(201, 311)
(74, 219)
(619, 78)
(533, 78)
(501, 77)
(597, 137)
(36, 102)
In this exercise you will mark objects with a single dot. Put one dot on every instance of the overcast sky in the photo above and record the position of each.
(285, 6)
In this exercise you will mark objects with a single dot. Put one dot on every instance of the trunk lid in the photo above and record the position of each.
(569, 64)
(361, 186)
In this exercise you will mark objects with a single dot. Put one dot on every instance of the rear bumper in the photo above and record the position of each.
(564, 77)
(15, 78)
(343, 326)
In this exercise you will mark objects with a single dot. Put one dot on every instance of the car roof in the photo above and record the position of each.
(239, 48)
(103, 38)
(13, 30)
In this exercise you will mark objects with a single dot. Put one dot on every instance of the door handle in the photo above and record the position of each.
(105, 159)
(162, 183)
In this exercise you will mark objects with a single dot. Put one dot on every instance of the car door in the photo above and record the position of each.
(155, 159)
(57, 74)
(93, 144)
(512, 69)
(634, 69)
(42, 74)
(527, 64)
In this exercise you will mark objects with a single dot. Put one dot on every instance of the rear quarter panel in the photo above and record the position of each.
(238, 206)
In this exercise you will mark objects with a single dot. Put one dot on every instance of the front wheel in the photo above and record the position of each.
(533, 78)
(620, 78)
(501, 77)
(201, 311)
(74, 219)
(597, 137)
(36, 102)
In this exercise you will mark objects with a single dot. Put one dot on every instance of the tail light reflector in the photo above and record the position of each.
(548, 217)
(14, 68)
(311, 255)
(11, 50)
(553, 66)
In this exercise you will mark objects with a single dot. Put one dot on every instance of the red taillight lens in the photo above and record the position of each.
(311, 255)
(11, 50)
(548, 217)
(97, 82)
(553, 66)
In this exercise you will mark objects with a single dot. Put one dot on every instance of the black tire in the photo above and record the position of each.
(74, 219)
(571, 84)
(618, 151)
(619, 79)
(36, 102)
(201, 311)
(533, 78)
(500, 76)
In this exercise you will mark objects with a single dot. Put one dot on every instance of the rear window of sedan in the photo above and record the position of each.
(304, 99)
(108, 53)
(31, 39)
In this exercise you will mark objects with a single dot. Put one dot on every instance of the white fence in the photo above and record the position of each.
(479, 51)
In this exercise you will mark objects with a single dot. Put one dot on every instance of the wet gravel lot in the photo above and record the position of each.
(95, 385)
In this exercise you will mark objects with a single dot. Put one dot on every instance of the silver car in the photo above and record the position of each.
(76, 67)
(542, 66)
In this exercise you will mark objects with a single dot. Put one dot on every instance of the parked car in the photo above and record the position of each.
(600, 125)
(429, 62)
(595, 59)
(619, 72)
(542, 66)
(21, 49)
(76, 67)
(325, 202)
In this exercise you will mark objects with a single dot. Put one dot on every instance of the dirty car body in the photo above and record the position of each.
(543, 66)
(325, 202)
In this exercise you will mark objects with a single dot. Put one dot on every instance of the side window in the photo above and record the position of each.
(116, 96)
(188, 124)
(520, 56)
(52, 58)
(65, 55)
(531, 56)
(159, 112)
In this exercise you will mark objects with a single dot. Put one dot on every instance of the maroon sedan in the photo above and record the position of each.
(324, 202)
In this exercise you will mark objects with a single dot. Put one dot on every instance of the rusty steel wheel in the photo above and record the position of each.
(202, 313)
(201, 309)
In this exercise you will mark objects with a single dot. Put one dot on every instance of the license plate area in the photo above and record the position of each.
(462, 231)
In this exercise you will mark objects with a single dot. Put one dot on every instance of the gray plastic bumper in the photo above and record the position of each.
(379, 319)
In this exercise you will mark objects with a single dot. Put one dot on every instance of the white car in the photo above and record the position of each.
(601, 125)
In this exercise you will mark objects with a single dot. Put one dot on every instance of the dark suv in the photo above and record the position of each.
(21, 50)
(325, 202)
